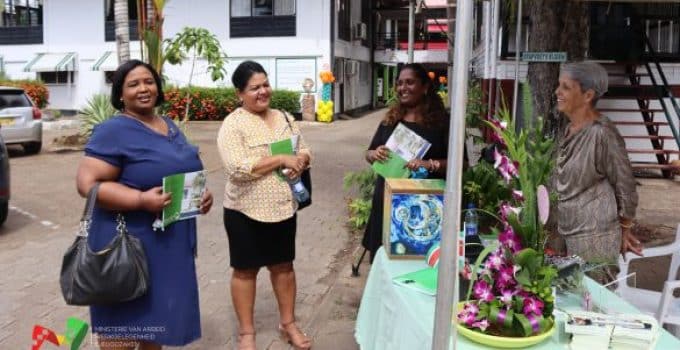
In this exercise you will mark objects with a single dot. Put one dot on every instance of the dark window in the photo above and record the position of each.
(21, 22)
(56, 77)
(344, 24)
(110, 23)
(366, 19)
(108, 76)
(259, 18)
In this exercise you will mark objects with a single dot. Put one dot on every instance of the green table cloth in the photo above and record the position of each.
(394, 317)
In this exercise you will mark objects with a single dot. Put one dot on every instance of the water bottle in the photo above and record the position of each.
(471, 220)
(299, 190)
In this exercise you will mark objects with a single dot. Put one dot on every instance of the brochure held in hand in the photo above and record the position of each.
(404, 145)
(187, 190)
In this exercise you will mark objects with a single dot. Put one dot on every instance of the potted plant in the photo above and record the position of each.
(510, 300)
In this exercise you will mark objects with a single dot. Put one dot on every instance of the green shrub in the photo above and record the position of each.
(360, 206)
(35, 89)
(217, 103)
(286, 100)
(97, 110)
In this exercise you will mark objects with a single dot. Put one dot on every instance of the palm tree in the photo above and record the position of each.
(122, 30)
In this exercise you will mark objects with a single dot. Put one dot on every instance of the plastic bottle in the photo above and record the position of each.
(299, 190)
(471, 220)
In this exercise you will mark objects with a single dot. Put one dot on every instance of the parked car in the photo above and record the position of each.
(4, 182)
(20, 120)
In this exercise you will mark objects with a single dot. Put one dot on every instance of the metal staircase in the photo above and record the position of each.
(657, 108)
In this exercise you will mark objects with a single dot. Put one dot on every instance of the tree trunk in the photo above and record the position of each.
(122, 30)
(556, 25)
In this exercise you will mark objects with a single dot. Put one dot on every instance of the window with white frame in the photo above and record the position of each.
(259, 18)
(260, 8)
(63, 77)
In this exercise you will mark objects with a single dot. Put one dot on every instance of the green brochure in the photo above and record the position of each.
(286, 146)
(393, 167)
(187, 190)
(424, 281)
(282, 147)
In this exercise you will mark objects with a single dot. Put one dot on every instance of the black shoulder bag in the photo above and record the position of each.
(305, 177)
(114, 274)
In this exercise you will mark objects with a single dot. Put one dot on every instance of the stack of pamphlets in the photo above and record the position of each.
(635, 332)
(586, 332)
(404, 145)
(594, 331)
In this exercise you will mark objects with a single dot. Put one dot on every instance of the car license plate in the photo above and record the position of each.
(6, 121)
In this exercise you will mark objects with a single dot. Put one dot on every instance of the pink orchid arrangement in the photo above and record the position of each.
(510, 292)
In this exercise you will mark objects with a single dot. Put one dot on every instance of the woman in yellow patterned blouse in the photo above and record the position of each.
(259, 209)
(594, 179)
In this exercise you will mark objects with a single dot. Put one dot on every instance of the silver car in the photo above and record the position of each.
(20, 120)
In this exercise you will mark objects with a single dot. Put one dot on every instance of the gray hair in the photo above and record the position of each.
(590, 75)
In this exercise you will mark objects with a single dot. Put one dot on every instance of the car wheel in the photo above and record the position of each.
(4, 209)
(32, 147)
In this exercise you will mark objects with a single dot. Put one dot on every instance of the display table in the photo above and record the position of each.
(393, 317)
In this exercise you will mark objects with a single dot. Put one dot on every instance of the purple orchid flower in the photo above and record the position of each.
(495, 136)
(482, 291)
(506, 296)
(495, 260)
(506, 210)
(509, 239)
(506, 277)
(472, 308)
(533, 305)
(518, 195)
(505, 166)
(467, 317)
(466, 273)
(482, 325)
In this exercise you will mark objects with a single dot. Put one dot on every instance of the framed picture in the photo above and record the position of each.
(412, 217)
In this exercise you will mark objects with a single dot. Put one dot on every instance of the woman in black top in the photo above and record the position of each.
(420, 109)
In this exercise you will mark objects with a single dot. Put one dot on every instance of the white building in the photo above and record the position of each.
(69, 44)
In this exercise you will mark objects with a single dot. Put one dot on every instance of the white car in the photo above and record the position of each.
(20, 120)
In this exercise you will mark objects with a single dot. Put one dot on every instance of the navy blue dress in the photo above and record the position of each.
(169, 313)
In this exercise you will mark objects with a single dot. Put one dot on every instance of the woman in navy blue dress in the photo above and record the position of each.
(129, 155)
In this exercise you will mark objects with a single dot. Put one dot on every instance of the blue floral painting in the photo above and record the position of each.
(416, 222)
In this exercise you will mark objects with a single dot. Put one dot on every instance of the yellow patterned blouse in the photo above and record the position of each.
(242, 141)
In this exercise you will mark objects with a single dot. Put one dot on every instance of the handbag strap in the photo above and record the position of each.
(86, 219)
(87, 212)
(89, 204)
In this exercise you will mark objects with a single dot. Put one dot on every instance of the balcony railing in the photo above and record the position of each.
(664, 36)
(21, 35)
(110, 30)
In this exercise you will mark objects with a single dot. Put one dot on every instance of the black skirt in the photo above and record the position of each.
(253, 244)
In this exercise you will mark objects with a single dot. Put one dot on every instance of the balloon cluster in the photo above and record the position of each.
(324, 111)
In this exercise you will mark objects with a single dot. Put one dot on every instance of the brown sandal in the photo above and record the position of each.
(246, 341)
(291, 334)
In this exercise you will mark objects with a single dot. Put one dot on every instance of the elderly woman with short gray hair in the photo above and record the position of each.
(593, 176)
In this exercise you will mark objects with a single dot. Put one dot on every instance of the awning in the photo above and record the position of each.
(109, 61)
(52, 62)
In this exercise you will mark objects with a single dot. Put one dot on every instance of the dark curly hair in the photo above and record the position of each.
(119, 78)
(432, 107)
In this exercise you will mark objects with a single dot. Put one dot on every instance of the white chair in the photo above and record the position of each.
(669, 308)
(645, 300)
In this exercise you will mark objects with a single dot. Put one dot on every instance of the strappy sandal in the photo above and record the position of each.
(243, 343)
(291, 334)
